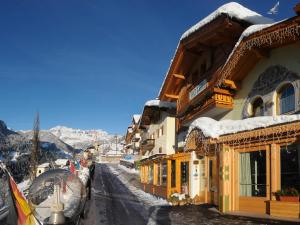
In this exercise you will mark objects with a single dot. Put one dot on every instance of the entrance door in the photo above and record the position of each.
(212, 180)
(184, 177)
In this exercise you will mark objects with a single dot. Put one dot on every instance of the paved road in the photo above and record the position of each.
(113, 203)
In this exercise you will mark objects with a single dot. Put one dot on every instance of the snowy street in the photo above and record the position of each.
(118, 200)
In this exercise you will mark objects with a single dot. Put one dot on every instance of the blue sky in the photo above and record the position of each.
(92, 64)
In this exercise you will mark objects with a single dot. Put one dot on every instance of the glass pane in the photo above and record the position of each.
(253, 174)
(290, 169)
(164, 173)
(158, 174)
(184, 177)
(173, 173)
(287, 99)
(150, 180)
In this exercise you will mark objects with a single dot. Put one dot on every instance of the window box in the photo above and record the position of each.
(288, 198)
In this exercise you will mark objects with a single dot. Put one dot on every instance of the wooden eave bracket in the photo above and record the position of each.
(231, 84)
(262, 53)
(172, 96)
(179, 76)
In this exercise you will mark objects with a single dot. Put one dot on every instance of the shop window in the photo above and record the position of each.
(290, 166)
(258, 107)
(173, 173)
(184, 177)
(253, 174)
(286, 99)
(150, 173)
(158, 182)
(164, 173)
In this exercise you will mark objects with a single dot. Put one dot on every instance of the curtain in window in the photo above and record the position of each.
(245, 175)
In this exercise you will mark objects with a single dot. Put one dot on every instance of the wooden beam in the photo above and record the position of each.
(262, 53)
(179, 76)
(172, 96)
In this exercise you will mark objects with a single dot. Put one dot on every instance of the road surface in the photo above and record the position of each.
(114, 203)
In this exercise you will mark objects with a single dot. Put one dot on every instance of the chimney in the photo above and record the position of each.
(297, 9)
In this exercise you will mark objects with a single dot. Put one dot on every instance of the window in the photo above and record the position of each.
(173, 173)
(184, 177)
(160, 150)
(150, 179)
(158, 182)
(290, 166)
(258, 107)
(286, 99)
(253, 174)
(164, 173)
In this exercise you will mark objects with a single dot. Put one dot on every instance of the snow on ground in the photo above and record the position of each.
(144, 197)
(214, 129)
(128, 170)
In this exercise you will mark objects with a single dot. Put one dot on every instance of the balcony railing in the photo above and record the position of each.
(148, 144)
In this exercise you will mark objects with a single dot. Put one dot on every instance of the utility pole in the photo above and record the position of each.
(35, 151)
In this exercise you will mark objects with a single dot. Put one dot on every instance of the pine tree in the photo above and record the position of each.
(35, 152)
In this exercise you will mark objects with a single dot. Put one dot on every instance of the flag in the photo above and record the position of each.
(19, 212)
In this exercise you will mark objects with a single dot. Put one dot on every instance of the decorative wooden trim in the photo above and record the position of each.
(179, 76)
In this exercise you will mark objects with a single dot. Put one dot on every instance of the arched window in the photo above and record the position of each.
(286, 99)
(258, 107)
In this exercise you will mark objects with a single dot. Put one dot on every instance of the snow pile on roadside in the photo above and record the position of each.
(214, 129)
(128, 170)
(24, 185)
(144, 197)
(84, 174)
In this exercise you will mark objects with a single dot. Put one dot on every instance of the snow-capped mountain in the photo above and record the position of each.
(81, 139)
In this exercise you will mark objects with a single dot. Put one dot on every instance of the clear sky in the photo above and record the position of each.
(91, 64)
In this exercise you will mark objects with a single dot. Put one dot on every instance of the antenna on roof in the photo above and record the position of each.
(274, 9)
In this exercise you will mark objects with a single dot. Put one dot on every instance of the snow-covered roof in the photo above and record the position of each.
(160, 104)
(214, 129)
(44, 165)
(136, 118)
(232, 10)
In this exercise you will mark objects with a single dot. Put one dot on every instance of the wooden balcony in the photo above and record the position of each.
(148, 144)
(211, 102)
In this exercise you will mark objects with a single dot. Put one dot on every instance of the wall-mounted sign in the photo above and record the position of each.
(198, 89)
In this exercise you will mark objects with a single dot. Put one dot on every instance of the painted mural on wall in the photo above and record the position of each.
(265, 86)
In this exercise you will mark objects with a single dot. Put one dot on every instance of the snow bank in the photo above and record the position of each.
(214, 129)
(128, 170)
(24, 185)
(84, 174)
(232, 10)
(144, 197)
(160, 104)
